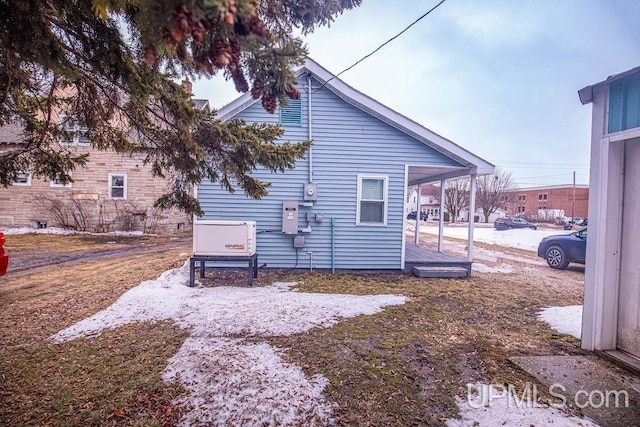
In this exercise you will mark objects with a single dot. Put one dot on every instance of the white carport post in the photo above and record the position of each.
(417, 227)
(441, 222)
(472, 214)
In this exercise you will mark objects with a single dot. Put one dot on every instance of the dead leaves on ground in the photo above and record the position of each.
(113, 379)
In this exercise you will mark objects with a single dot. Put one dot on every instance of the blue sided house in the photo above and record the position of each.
(342, 207)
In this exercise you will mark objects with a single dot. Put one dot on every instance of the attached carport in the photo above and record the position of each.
(417, 175)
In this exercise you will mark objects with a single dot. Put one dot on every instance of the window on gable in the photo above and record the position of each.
(23, 178)
(117, 186)
(372, 200)
(76, 132)
(291, 115)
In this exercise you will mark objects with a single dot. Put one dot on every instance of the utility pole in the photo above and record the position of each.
(573, 204)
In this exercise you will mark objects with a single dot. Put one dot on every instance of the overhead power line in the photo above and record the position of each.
(383, 44)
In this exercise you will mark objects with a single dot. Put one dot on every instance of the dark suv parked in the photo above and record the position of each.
(507, 223)
(562, 249)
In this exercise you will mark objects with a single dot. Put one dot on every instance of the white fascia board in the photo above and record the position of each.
(459, 173)
(586, 93)
(235, 106)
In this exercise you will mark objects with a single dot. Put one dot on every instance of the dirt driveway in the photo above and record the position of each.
(31, 252)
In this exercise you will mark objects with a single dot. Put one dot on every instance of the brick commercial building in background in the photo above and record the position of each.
(534, 201)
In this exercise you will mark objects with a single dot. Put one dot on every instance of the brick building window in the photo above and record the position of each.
(76, 131)
(56, 183)
(23, 178)
(117, 186)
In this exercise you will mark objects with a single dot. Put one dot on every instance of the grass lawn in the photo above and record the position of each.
(402, 366)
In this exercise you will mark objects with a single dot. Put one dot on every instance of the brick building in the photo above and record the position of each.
(113, 192)
(537, 201)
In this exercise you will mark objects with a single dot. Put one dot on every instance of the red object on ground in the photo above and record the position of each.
(4, 258)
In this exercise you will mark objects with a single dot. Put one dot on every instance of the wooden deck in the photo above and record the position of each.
(421, 256)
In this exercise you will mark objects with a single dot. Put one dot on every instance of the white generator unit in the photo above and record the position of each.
(224, 238)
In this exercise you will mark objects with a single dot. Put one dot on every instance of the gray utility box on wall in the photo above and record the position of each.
(310, 192)
(298, 242)
(290, 217)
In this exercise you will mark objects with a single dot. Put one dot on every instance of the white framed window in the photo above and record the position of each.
(77, 132)
(57, 184)
(372, 203)
(117, 186)
(23, 178)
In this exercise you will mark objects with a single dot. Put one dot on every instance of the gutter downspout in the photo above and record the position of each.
(333, 245)
(309, 128)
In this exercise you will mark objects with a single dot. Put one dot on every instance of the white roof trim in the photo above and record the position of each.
(586, 93)
(376, 109)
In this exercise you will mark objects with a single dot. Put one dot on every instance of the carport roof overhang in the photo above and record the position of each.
(421, 174)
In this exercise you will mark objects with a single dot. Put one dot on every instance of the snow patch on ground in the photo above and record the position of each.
(522, 238)
(566, 320)
(478, 410)
(230, 380)
(233, 382)
(483, 268)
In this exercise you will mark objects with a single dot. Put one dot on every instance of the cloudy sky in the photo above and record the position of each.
(498, 77)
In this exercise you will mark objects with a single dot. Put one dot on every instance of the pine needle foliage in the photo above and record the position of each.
(112, 66)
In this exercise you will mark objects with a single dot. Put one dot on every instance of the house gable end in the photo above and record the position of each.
(324, 80)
